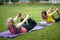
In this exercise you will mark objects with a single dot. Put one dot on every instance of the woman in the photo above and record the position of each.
(21, 27)
(49, 17)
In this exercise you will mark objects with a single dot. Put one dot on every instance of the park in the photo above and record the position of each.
(34, 10)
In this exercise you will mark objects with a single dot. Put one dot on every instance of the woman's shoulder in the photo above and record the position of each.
(49, 14)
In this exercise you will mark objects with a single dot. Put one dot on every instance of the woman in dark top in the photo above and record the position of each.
(21, 27)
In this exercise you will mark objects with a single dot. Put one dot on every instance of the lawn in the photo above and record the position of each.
(34, 11)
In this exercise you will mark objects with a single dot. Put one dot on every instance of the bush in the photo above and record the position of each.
(1, 2)
(34, 1)
(6, 1)
(14, 1)
(44, 0)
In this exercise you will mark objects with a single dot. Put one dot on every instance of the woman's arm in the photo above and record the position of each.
(21, 23)
(49, 10)
(15, 18)
(54, 11)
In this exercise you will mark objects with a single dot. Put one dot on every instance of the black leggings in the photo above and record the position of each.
(56, 19)
(31, 24)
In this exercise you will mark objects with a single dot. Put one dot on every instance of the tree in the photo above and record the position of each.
(1, 2)
(14, 1)
(44, 0)
(6, 1)
(32, 1)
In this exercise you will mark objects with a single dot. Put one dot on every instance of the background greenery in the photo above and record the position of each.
(34, 11)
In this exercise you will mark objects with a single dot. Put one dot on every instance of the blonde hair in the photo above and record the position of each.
(11, 19)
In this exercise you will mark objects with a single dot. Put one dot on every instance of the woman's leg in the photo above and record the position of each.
(57, 19)
(21, 23)
(31, 24)
(58, 13)
(21, 19)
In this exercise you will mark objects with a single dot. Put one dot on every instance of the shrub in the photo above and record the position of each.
(1, 2)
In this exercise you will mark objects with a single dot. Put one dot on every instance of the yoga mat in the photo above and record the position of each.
(44, 23)
(7, 34)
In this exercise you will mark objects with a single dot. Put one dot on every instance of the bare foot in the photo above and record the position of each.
(27, 16)
(54, 8)
(20, 15)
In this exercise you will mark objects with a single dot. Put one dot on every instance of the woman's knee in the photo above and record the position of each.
(31, 22)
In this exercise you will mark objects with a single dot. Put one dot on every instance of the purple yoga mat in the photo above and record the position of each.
(7, 34)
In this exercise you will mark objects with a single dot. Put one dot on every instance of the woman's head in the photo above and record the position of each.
(44, 14)
(10, 22)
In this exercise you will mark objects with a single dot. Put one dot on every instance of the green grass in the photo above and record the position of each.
(34, 11)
